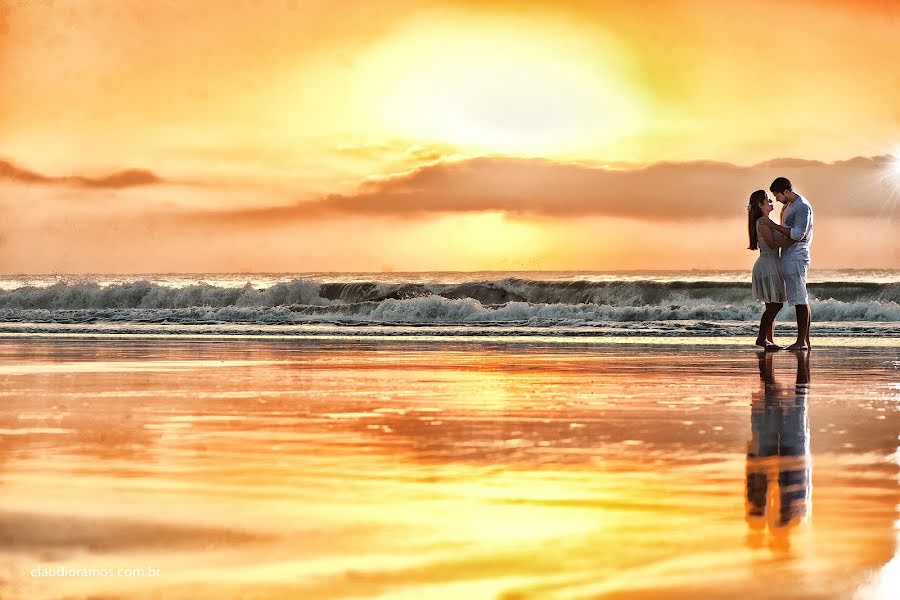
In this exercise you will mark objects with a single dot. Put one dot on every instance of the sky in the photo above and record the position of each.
(298, 136)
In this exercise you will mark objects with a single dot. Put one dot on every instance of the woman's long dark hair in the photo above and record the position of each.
(754, 213)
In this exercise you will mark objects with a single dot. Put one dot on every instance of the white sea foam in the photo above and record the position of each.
(501, 302)
(438, 310)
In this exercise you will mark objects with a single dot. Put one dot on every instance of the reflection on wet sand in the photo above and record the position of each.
(342, 469)
(778, 458)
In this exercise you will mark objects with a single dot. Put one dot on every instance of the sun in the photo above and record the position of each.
(488, 241)
(495, 88)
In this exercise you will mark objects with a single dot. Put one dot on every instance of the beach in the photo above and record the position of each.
(347, 467)
(449, 300)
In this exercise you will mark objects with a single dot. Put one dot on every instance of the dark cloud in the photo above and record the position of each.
(790, 163)
(120, 179)
(667, 191)
(860, 187)
(10, 171)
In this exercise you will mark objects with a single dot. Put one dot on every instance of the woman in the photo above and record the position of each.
(768, 278)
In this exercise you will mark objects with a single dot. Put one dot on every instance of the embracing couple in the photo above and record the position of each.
(779, 274)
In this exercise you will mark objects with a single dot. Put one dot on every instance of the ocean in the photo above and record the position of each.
(846, 303)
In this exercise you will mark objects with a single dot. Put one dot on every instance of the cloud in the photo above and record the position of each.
(858, 187)
(119, 179)
(10, 171)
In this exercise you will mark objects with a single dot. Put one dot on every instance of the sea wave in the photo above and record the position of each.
(145, 294)
(508, 301)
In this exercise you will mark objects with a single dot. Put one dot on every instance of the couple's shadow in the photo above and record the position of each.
(778, 483)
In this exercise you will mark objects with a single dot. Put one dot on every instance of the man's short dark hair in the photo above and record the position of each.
(780, 185)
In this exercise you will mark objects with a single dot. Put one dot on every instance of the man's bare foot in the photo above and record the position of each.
(797, 346)
(762, 342)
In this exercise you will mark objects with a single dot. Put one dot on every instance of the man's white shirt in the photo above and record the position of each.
(798, 217)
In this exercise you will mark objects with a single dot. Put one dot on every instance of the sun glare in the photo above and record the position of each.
(495, 88)
(489, 240)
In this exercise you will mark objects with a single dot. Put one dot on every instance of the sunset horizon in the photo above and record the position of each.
(439, 299)
(449, 136)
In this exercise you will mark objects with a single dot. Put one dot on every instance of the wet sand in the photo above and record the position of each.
(261, 468)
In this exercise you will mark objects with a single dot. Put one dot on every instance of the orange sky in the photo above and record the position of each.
(306, 136)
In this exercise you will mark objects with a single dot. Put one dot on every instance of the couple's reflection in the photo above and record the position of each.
(778, 462)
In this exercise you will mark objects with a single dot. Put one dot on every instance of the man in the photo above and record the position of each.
(797, 224)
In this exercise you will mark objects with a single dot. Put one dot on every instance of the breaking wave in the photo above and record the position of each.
(509, 301)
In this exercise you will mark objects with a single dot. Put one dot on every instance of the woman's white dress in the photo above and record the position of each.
(768, 278)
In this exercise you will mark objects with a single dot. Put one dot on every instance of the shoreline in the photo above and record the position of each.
(742, 342)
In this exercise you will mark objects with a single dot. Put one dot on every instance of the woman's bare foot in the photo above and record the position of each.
(798, 346)
(767, 345)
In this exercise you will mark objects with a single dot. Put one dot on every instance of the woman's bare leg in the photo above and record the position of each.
(767, 324)
(808, 325)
